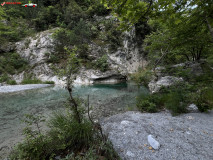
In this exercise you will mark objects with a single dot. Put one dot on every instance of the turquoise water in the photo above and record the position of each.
(107, 99)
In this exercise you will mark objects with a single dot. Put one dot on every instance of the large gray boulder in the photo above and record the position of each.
(154, 86)
(188, 136)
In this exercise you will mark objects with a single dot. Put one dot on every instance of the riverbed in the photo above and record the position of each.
(105, 100)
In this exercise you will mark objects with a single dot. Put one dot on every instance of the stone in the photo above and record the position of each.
(155, 86)
(155, 144)
(121, 130)
(192, 108)
(130, 154)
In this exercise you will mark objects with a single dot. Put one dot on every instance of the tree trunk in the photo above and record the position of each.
(74, 106)
(73, 103)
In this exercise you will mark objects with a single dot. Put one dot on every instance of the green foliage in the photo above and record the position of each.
(128, 12)
(183, 72)
(66, 131)
(49, 82)
(4, 77)
(176, 102)
(31, 81)
(36, 144)
(204, 99)
(143, 76)
(102, 63)
(11, 82)
(47, 18)
(175, 98)
(12, 63)
(66, 135)
(149, 103)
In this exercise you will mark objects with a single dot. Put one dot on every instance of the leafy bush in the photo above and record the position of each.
(31, 81)
(149, 103)
(204, 99)
(11, 63)
(143, 76)
(49, 82)
(3, 78)
(176, 102)
(176, 99)
(66, 136)
(11, 82)
(179, 72)
(36, 144)
(102, 63)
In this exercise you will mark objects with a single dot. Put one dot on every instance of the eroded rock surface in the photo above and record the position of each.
(154, 86)
(188, 136)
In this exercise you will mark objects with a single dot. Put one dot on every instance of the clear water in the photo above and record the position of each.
(107, 99)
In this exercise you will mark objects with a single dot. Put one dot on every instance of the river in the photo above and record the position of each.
(105, 99)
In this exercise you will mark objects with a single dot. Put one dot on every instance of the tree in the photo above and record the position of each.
(130, 12)
(68, 73)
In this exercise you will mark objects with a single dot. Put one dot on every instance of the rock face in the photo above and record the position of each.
(125, 59)
(154, 86)
(187, 136)
(129, 57)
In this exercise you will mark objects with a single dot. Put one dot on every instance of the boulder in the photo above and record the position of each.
(154, 86)
(192, 108)
(180, 137)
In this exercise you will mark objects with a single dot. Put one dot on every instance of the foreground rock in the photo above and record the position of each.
(16, 88)
(188, 136)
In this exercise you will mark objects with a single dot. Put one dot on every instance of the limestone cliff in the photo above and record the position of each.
(122, 60)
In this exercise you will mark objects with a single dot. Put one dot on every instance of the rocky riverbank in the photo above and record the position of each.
(17, 88)
(188, 136)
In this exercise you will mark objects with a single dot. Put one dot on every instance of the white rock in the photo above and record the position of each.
(130, 154)
(163, 81)
(155, 144)
(192, 108)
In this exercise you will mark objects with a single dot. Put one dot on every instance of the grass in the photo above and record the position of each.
(66, 138)
(35, 81)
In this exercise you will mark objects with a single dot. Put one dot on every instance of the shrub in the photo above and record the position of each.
(143, 76)
(66, 135)
(3, 78)
(102, 63)
(31, 81)
(176, 102)
(175, 98)
(149, 103)
(11, 63)
(11, 82)
(36, 144)
(49, 82)
(147, 106)
(69, 133)
(204, 99)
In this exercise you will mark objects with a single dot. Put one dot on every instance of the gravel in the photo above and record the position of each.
(17, 88)
(188, 136)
